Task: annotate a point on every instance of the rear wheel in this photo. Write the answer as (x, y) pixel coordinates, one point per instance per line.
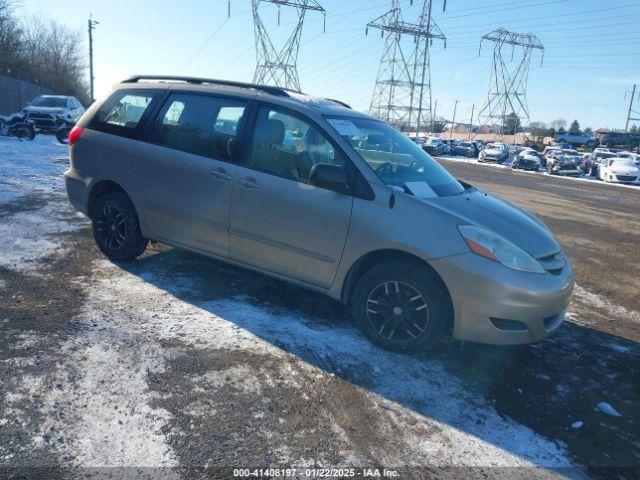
(26, 132)
(401, 307)
(116, 228)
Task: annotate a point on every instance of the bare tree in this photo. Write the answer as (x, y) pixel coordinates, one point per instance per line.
(52, 56)
(41, 51)
(10, 38)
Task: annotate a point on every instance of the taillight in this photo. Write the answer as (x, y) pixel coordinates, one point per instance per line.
(75, 134)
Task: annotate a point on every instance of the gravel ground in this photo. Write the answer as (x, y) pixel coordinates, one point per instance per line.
(176, 366)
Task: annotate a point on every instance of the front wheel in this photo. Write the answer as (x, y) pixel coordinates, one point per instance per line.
(115, 227)
(401, 307)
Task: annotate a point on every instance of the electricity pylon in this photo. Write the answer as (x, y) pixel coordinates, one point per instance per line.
(507, 97)
(402, 95)
(632, 113)
(279, 66)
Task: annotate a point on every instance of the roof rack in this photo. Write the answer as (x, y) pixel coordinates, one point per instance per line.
(340, 103)
(281, 92)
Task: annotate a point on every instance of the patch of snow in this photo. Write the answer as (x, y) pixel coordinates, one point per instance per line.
(604, 407)
(467, 430)
(577, 424)
(31, 167)
(28, 237)
(602, 303)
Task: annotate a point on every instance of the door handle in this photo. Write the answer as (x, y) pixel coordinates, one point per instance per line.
(220, 174)
(249, 182)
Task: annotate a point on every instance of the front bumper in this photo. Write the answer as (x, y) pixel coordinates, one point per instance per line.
(485, 293)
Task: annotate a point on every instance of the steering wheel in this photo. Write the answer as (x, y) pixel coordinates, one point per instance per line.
(386, 167)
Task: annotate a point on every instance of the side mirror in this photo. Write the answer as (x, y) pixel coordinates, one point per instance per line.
(331, 177)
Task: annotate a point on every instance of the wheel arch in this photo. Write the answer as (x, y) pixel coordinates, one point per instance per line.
(104, 187)
(376, 257)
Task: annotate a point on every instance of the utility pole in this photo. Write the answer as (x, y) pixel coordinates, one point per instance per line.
(453, 123)
(473, 107)
(92, 25)
(433, 117)
(631, 111)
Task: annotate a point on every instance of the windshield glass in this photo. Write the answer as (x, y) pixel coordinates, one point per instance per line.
(50, 102)
(397, 161)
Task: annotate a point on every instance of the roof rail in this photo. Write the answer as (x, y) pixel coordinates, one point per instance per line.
(281, 92)
(340, 103)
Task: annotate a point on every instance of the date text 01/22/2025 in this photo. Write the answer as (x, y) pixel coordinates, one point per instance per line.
(314, 473)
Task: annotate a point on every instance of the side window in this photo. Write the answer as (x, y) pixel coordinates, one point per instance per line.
(199, 124)
(288, 146)
(124, 110)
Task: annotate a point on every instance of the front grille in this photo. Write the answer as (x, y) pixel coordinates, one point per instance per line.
(553, 263)
(626, 178)
(39, 115)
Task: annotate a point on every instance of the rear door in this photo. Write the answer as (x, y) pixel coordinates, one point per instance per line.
(279, 222)
(183, 172)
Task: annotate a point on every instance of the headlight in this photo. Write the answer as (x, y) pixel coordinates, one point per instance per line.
(489, 245)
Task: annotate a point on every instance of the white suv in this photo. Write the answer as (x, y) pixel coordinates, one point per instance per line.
(45, 109)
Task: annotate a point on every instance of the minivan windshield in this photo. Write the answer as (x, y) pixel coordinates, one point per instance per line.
(398, 162)
(59, 102)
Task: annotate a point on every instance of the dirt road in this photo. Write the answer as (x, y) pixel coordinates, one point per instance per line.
(176, 361)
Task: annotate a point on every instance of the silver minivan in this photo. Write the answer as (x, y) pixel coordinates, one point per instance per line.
(307, 190)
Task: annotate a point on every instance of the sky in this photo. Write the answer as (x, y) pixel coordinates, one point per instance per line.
(591, 57)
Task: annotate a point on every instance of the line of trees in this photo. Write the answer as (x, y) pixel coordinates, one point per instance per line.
(541, 129)
(43, 52)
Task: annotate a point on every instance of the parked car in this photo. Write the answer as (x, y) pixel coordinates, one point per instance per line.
(417, 140)
(448, 144)
(560, 154)
(631, 156)
(564, 162)
(46, 109)
(494, 152)
(526, 159)
(576, 139)
(336, 215)
(434, 146)
(619, 170)
(548, 150)
(598, 156)
(586, 163)
(619, 139)
(464, 149)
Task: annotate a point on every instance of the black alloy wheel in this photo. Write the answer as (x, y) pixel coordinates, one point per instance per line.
(397, 311)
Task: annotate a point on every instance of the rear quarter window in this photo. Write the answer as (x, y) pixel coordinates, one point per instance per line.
(124, 112)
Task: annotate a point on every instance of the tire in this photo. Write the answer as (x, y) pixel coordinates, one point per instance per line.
(115, 227)
(404, 281)
(26, 132)
(62, 135)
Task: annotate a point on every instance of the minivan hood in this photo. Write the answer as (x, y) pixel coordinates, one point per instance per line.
(501, 217)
